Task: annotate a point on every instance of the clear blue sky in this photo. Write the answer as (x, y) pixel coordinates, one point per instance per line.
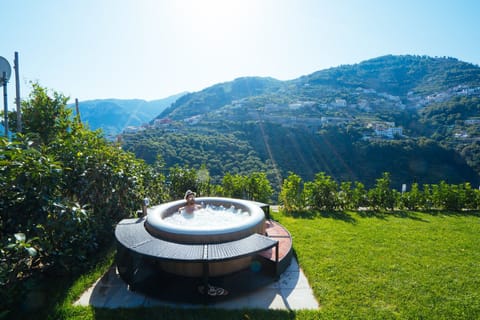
(151, 49)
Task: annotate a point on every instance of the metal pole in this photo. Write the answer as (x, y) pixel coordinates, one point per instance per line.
(5, 106)
(77, 109)
(17, 93)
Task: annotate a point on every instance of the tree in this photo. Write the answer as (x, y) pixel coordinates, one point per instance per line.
(345, 196)
(382, 196)
(63, 187)
(181, 179)
(45, 116)
(321, 193)
(258, 187)
(412, 199)
(204, 181)
(291, 194)
(233, 186)
(471, 198)
(443, 196)
(359, 196)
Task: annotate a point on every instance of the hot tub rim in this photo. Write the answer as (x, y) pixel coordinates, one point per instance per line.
(154, 220)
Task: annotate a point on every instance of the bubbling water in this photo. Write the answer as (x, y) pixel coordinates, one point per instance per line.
(221, 220)
(208, 218)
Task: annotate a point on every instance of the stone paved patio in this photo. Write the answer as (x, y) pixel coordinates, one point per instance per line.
(291, 292)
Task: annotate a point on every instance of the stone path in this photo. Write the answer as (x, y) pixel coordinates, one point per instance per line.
(291, 292)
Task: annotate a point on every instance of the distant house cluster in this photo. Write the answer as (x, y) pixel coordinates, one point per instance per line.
(385, 130)
(389, 133)
(461, 90)
(313, 115)
(472, 121)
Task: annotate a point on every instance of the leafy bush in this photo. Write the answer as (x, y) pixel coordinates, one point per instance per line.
(64, 187)
(255, 186)
(382, 196)
(322, 193)
(413, 199)
(18, 258)
(291, 195)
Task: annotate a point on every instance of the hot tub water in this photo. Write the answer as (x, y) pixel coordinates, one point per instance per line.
(208, 218)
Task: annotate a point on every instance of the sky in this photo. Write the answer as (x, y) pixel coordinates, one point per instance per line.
(152, 49)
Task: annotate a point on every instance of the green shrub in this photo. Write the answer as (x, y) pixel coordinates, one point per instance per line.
(64, 187)
(382, 197)
(291, 195)
(322, 193)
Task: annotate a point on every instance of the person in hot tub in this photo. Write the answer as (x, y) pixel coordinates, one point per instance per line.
(191, 206)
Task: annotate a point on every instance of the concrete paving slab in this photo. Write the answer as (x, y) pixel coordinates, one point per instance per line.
(290, 292)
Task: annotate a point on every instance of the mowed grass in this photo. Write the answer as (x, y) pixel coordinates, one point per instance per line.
(407, 266)
(403, 266)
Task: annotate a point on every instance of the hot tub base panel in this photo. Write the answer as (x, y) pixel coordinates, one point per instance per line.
(143, 275)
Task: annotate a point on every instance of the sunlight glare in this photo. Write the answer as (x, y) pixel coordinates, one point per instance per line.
(214, 19)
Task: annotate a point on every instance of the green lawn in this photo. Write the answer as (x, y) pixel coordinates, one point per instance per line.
(407, 266)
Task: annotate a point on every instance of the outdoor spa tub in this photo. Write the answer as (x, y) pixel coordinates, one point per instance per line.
(221, 220)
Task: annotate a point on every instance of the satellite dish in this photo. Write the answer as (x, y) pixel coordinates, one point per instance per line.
(4, 67)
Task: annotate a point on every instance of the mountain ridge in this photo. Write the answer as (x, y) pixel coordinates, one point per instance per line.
(391, 113)
(115, 115)
(393, 75)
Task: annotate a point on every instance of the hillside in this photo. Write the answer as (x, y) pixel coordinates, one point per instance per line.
(414, 116)
(389, 81)
(115, 115)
